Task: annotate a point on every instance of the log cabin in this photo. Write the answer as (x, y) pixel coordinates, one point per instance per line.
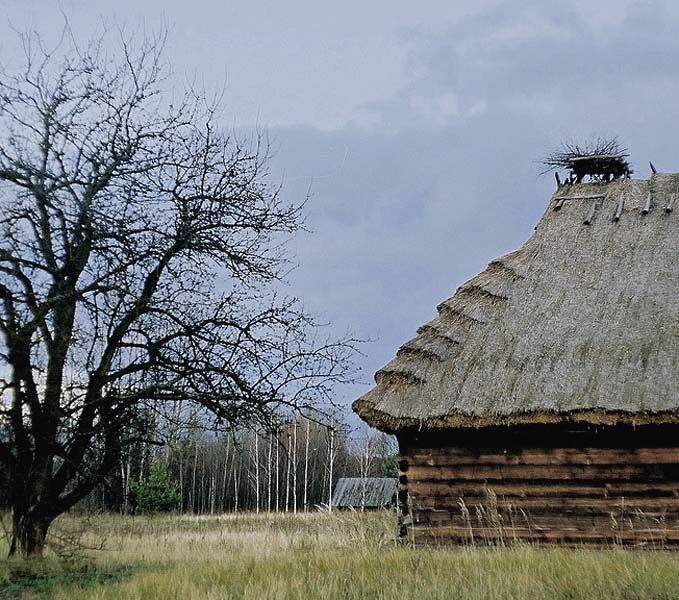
(542, 403)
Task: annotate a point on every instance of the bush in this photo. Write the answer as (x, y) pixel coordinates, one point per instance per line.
(390, 466)
(157, 493)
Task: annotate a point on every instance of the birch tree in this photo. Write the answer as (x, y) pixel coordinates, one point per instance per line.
(306, 466)
(331, 463)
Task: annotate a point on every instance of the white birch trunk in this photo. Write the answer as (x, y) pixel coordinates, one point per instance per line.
(193, 481)
(294, 469)
(203, 495)
(181, 482)
(306, 467)
(256, 472)
(278, 470)
(287, 476)
(224, 475)
(268, 475)
(235, 487)
(331, 460)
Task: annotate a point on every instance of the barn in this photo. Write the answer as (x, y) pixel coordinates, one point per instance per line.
(364, 493)
(542, 403)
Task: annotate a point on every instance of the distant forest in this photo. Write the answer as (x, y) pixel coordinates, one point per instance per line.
(292, 468)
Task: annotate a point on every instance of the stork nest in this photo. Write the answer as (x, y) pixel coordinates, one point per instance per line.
(602, 160)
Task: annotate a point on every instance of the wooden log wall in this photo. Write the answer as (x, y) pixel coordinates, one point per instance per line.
(546, 485)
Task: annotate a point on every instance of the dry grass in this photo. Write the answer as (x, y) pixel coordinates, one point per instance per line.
(334, 556)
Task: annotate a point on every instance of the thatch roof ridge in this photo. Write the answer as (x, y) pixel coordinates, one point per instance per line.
(580, 323)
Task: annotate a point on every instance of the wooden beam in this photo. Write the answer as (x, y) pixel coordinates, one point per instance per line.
(544, 472)
(590, 214)
(541, 456)
(619, 208)
(564, 489)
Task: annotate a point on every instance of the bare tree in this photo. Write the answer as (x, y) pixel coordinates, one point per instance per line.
(138, 248)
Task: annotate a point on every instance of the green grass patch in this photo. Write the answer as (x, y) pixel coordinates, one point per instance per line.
(45, 577)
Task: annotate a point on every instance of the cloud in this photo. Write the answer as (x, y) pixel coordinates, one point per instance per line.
(416, 190)
(445, 178)
(399, 221)
(548, 60)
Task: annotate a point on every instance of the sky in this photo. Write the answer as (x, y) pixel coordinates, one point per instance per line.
(416, 128)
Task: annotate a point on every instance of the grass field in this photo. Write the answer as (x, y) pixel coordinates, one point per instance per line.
(319, 556)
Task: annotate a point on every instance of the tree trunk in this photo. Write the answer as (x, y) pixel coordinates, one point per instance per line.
(235, 488)
(29, 530)
(256, 458)
(224, 475)
(287, 475)
(194, 505)
(125, 469)
(306, 468)
(181, 482)
(268, 475)
(278, 489)
(331, 461)
(213, 488)
(294, 469)
(204, 491)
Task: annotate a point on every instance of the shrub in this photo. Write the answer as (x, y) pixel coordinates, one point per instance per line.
(157, 493)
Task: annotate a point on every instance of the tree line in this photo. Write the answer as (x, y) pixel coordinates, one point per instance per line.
(290, 468)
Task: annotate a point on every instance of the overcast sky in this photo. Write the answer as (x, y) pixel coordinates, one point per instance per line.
(416, 126)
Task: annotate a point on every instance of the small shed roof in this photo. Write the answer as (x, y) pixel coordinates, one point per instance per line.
(581, 324)
(364, 492)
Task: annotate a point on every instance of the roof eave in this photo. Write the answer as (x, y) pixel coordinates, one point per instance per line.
(597, 416)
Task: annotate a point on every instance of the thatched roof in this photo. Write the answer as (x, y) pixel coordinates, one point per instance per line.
(581, 323)
(364, 492)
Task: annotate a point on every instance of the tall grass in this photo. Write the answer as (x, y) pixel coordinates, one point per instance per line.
(348, 555)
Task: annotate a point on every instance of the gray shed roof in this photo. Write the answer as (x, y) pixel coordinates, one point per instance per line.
(581, 323)
(364, 492)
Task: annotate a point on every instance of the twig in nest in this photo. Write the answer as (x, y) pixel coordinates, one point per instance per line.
(601, 160)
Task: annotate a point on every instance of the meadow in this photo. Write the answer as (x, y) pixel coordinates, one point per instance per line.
(316, 555)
